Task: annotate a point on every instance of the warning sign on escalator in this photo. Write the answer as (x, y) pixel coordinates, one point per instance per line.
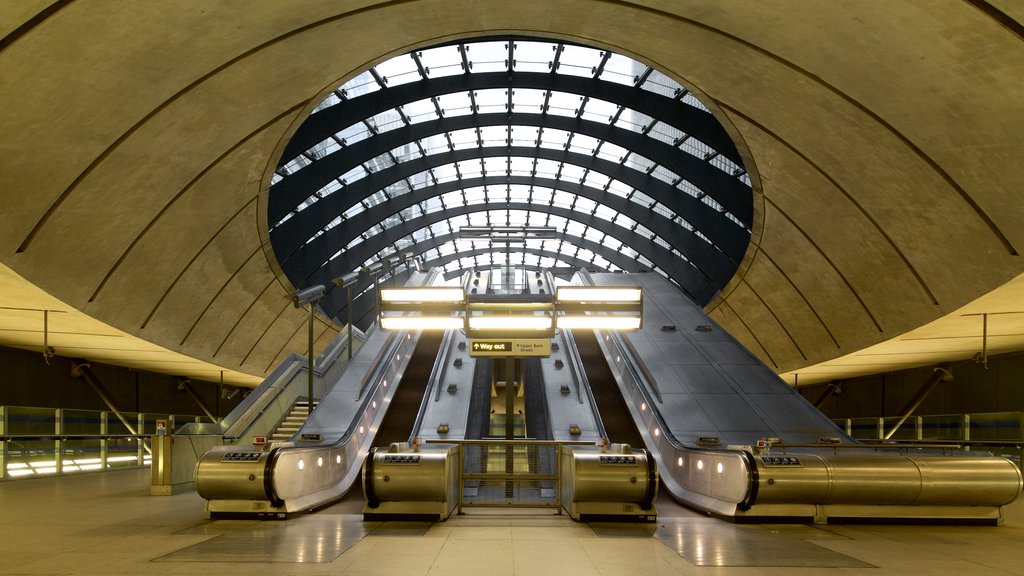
(513, 348)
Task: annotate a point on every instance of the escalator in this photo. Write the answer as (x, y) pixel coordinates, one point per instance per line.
(397, 425)
(618, 422)
(731, 438)
(321, 462)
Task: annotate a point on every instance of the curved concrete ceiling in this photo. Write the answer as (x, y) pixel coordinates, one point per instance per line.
(884, 145)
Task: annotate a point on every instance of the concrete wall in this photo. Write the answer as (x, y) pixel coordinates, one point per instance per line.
(973, 389)
(27, 380)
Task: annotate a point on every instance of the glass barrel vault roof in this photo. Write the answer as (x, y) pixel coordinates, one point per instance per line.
(630, 167)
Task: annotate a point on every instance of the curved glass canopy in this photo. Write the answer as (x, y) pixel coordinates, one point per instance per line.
(633, 172)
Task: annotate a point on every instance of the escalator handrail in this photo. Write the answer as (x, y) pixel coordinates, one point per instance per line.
(433, 381)
(572, 352)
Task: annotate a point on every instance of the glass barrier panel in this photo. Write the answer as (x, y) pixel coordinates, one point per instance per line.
(81, 455)
(864, 428)
(82, 422)
(942, 427)
(31, 458)
(24, 420)
(906, 430)
(116, 426)
(996, 426)
(123, 453)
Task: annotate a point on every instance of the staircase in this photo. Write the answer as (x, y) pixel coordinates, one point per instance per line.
(292, 422)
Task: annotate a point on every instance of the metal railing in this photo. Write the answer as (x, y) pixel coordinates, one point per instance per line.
(36, 442)
(997, 432)
(499, 473)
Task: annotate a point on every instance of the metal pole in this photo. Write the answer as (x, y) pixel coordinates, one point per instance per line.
(309, 362)
(348, 294)
(376, 302)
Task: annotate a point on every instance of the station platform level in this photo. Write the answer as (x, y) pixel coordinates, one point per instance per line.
(109, 524)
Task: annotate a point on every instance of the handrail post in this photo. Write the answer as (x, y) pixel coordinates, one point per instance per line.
(558, 479)
(3, 445)
(462, 466)
(58, 452)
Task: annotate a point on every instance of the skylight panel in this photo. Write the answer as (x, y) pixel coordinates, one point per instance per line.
(583, 144)
(397, 71)
(533, 56)
(442, 61)
(611, 152)
(487, 56)
(420, 111)
(528, 100)
(360, 85)
(455, 104)
(579, 61)
(621, 69)
(519, 193)
(554, 138)
(597, 110)
(524, 135)
(564, 104)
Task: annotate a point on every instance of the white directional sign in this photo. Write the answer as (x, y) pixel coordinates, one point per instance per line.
(511, 347)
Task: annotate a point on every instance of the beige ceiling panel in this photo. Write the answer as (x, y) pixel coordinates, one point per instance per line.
(828, 292)
(837, 228)
(219, 317)
(288, 329)
(726, 317)
(260, 318)
(205, 277)
(323, 335)
(15, 14)
(807, 332)
(195, 221)
(765, 326)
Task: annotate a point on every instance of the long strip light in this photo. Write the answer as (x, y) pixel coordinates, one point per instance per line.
(438, 294)
(504, 322)
(599, 322)
(421, 323)
(597, 294)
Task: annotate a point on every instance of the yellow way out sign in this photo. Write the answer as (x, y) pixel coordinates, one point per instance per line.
(510, 347)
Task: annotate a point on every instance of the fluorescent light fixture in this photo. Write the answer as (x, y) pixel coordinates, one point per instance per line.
(17, 465)
(520, 322)
(599, 322)
(44, 464)
(421, 323)
(52, 470)
(90, 466)
(422, 295)
(20, 472)
(597, 294)
(81, 461)
(123, 459)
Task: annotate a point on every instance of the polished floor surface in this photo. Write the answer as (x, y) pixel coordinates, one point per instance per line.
(108, 524)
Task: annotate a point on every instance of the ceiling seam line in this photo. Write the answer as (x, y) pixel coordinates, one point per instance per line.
(846, 194)
(195, 257)
(802, 297)
(846, 281)
(181, 193)
(853, 102)
(752, 334)
(243, 315)
(30, 24)
(267, 329)
(234, 274)
(166, 103)
(777, 320)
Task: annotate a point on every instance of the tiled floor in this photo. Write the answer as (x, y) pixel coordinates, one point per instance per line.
(108, 524)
